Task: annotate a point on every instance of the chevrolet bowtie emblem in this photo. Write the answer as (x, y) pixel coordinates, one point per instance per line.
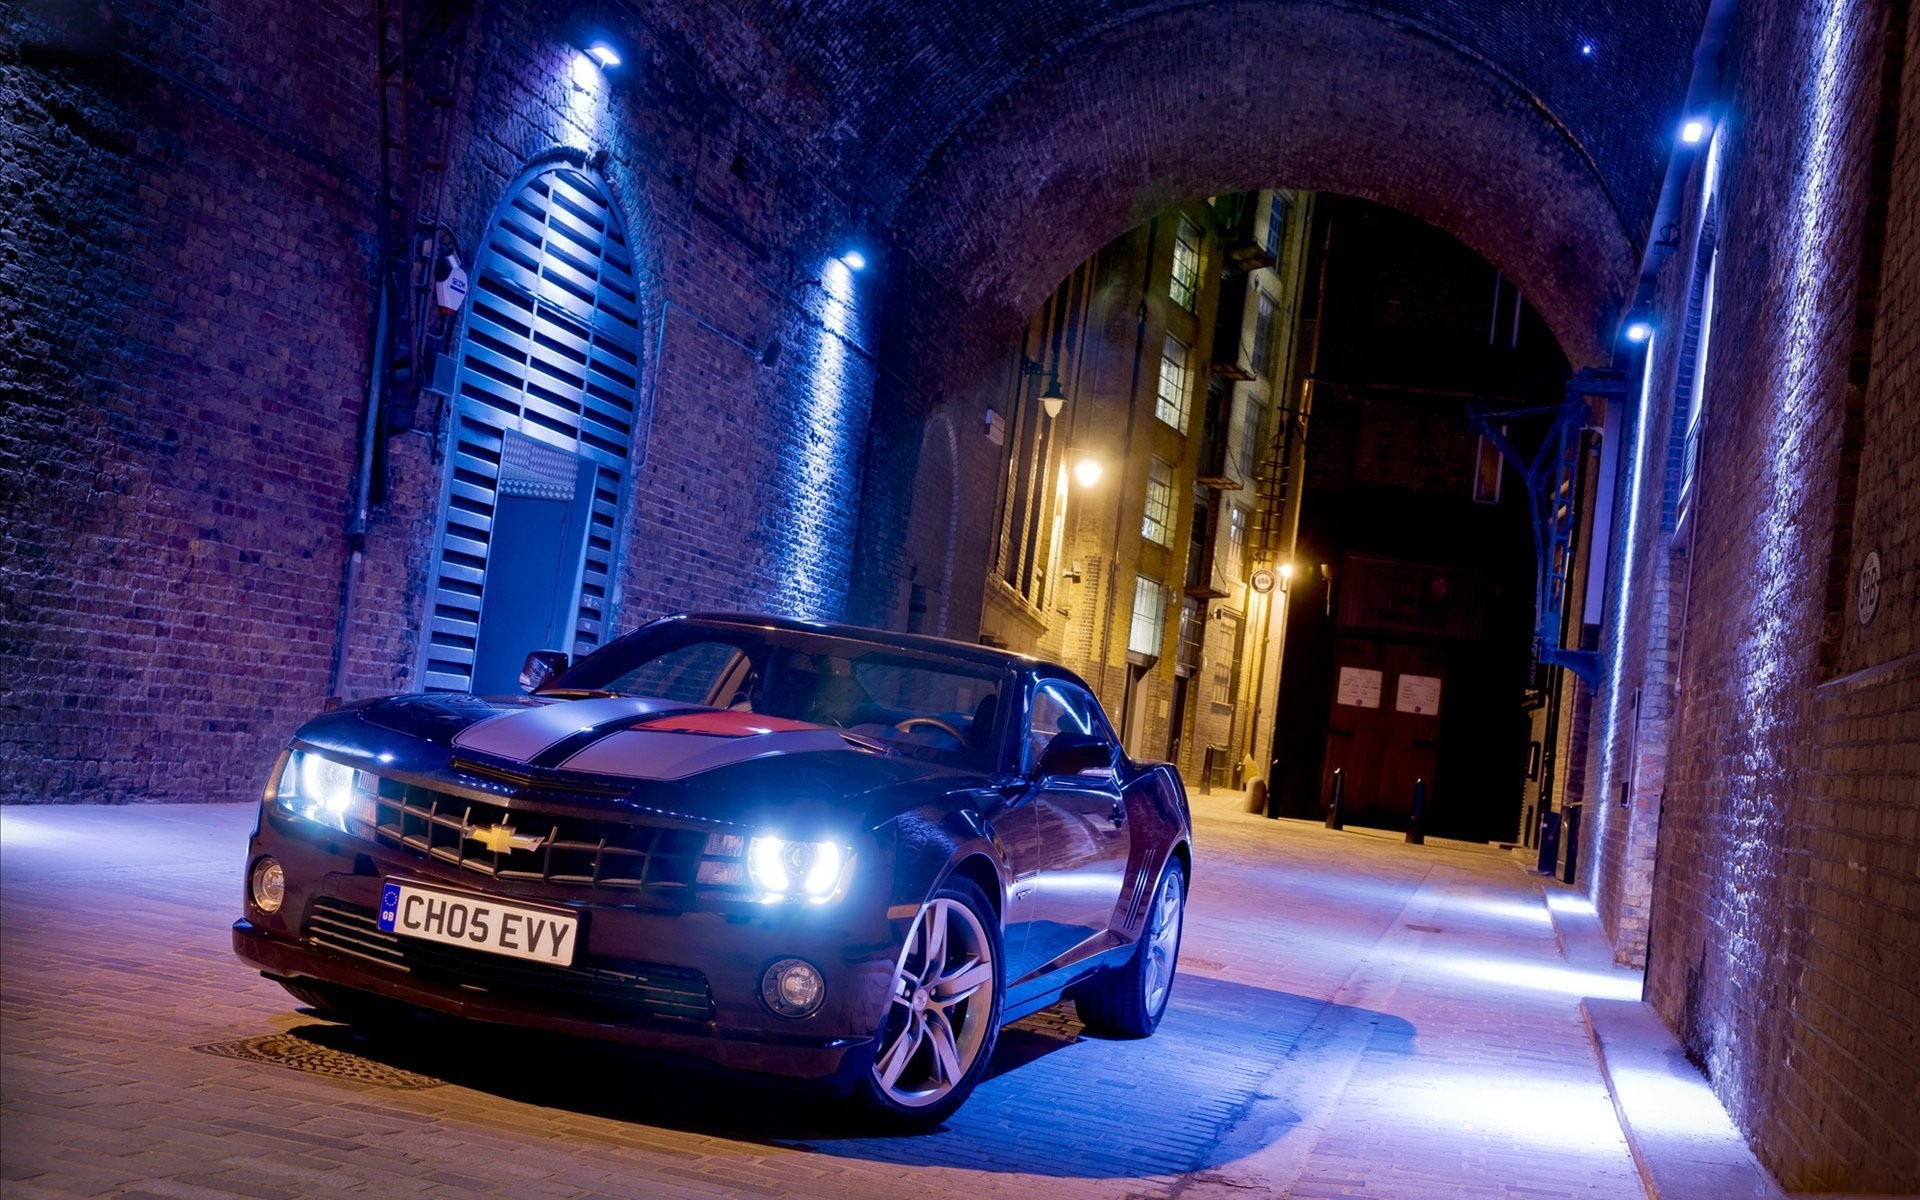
(502, 838)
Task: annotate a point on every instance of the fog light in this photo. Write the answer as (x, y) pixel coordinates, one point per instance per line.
(793, 988)
(269, 885)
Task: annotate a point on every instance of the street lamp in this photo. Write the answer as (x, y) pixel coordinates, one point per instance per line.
(1052, 400)
(1087, 472)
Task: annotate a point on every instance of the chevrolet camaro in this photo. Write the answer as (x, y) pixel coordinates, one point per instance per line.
(836, 854)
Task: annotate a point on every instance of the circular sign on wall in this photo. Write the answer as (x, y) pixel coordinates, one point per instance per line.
(1262, 580)
(1867, 600)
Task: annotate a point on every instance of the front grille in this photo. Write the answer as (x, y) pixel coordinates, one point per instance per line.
(594, 986)
(569, 849)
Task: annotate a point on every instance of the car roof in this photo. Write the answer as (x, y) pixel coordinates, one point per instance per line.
(968, 652)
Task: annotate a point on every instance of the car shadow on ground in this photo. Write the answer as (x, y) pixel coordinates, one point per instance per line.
(1057, 1100)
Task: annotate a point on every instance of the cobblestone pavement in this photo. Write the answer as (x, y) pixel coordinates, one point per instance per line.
(1354, 1017)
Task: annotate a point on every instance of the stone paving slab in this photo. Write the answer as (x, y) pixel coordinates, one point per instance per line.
(1356, 1017)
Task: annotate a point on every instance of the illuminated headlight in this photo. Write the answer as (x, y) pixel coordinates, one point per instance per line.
(331, 793)
(785, 870)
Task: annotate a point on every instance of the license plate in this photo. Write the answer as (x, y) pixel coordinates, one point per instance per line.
(478, 923)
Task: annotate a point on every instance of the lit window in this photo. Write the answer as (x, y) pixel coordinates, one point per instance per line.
(1185, 284)
(1157, 525)
(1263, 336)
(1276, 224)
(1171, 406)
(1149, 616)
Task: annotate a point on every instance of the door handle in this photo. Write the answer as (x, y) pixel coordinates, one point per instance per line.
(1118, 813)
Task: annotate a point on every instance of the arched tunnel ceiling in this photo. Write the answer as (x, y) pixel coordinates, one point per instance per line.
(960, 126)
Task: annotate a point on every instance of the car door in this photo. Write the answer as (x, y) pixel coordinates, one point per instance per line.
(1080, 835)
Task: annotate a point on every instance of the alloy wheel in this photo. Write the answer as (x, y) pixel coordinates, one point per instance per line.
(941, 1006)
(1163, 942)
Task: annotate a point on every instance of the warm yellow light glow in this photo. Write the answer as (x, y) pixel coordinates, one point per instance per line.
(1087, 472)
(1286, 570)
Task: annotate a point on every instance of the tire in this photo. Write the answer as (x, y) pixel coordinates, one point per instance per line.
(943, 1014)
(1129, 1001)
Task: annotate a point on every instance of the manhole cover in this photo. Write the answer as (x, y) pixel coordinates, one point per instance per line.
(302, 1053)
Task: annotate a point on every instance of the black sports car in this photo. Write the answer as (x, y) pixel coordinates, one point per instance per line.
(823, 852)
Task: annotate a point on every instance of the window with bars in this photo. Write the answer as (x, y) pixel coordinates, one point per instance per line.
(1276, 223)
(1156, 525)
(1173, 401)
(1233, 559)
(1149, 616)
(1263, 335)
(1247, 452)
(1224, 660)
(1184, 285)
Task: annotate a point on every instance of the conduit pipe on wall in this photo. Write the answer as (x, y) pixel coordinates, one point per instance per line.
(370, 419)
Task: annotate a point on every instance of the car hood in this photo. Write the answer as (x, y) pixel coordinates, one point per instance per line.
(633, 752)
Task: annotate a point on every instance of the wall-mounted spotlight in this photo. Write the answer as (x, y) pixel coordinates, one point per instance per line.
(1087, 472)
(1693, 129)
(1639, 330)
(855, 260)
(601, 51)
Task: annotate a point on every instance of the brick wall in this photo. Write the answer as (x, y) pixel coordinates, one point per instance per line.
(1786, 897)
(185, 272)
(191, 308)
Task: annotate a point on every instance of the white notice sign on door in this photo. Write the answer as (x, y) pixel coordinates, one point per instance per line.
(1359, 687)
(1418, 694)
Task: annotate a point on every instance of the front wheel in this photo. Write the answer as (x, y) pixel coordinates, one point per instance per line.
(943, 1014)
(1129, 1001)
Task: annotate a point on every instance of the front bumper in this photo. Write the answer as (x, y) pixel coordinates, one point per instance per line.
(707, 962)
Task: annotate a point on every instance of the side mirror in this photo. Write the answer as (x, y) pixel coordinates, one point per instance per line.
(541, 668)
(1075, 754)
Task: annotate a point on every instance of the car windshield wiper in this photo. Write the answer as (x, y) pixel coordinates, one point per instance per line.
(579, 693)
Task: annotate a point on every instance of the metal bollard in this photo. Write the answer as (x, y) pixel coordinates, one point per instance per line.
(1414, 836)
(1339, 790)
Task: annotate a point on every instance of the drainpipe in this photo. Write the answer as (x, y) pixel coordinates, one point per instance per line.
(363, 486)
(1119, 485)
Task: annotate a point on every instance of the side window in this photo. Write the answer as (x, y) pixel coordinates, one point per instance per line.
(1061, 708)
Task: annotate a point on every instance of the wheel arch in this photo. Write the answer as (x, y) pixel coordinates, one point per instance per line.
(979, 869)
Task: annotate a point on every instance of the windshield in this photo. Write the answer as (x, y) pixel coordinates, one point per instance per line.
(914, 703)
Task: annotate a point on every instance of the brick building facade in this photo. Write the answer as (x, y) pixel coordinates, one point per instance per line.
(1758, 809)
(1130, 524)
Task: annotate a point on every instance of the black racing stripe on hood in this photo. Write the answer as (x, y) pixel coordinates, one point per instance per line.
(574, 743)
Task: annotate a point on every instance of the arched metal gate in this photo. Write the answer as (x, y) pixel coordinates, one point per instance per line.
(544, 416)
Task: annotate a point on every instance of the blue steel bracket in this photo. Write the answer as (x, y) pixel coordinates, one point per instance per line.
(1584, 663)
(1542, 472)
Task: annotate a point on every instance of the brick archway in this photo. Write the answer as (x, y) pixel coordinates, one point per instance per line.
(1187, 102)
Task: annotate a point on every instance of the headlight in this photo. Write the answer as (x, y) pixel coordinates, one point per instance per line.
(787, 870)
(328, 792)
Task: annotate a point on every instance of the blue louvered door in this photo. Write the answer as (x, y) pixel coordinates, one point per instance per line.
(543, 422)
